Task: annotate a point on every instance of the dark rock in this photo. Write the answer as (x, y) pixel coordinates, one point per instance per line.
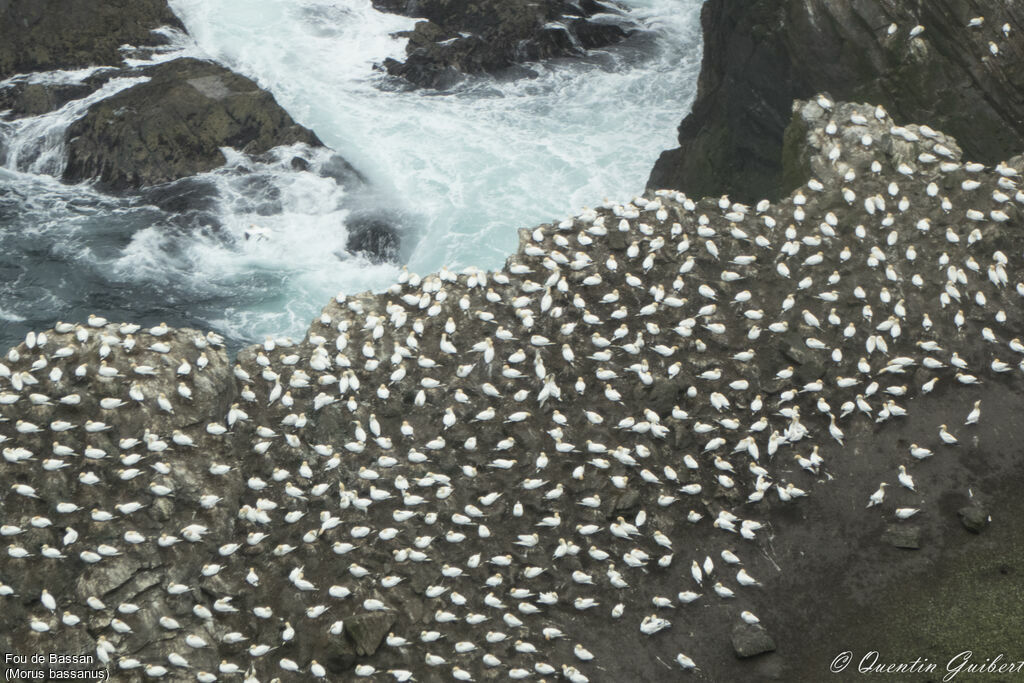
(624, 502)
(616, 240)
(761, 55)
(39, 35)
(340, 170)
(372, 237)
(493, 35)
(117, 574)
(367, 630)
(902, 536)
(791, 350)
(187, 194)
(974, 517)
(750, 640)
(174, 126)
(660, 397)
(594, 34)
(32, 99)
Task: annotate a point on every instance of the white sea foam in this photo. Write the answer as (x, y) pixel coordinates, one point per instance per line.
(462, 169)
(36, 144)
(472, 165)
(297, 257)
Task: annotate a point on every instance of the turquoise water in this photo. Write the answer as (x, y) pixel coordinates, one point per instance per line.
(461, 169)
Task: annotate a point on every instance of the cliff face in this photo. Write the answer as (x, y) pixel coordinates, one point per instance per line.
(762, 54)
(659, 423)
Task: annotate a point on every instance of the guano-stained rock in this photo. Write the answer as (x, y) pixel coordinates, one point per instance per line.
(761, 55)
(466, 457)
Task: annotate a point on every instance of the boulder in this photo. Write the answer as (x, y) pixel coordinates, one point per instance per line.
(759, 56)
(174, 126)
(367, 630)
(373, 237)
(974, 517)
(490, 36)
(806, 146)
(40, 35)
(750, 640)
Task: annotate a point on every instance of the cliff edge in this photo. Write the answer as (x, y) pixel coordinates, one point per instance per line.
(954, 64)
(667, 438)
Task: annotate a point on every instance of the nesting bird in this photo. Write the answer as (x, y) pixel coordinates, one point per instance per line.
(476, 432)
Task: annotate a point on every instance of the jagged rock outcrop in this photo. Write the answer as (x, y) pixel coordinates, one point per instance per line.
(41, 35)
(489, 36)
(759, 56)
(175, 124)
(168, 128)
(32, 99)
(659, 422)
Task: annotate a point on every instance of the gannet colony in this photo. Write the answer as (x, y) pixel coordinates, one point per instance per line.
(476, 476)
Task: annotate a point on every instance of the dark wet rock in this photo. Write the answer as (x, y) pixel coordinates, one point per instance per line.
(168, 128)
(373, 237)
(174, 126)
(32, 99)
(341, 171)
(490, 36)
(750, 640)
(974, 517)
(902, 536)
(761, 55)
(41, 35)
(185, 195)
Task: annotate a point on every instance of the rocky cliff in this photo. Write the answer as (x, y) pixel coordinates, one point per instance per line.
(954, 64)
(669, 438)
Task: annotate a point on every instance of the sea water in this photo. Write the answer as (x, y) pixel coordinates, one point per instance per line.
(457, 171)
